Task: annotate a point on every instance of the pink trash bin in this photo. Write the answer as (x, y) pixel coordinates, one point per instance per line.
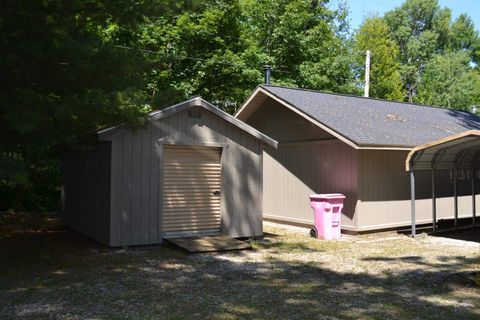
(327, 214)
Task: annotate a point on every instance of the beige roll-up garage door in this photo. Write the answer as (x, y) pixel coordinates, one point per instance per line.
(191, 190)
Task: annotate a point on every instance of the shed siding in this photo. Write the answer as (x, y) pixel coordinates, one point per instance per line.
(135, 196)
(86, 182)
(308, 160)
(384, 192)
(136, 176)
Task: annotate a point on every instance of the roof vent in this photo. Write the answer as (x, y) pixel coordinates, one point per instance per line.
(267, 69)
(194, 114)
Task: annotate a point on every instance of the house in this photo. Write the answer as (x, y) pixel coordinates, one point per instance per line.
(192, 170)
(356, 146)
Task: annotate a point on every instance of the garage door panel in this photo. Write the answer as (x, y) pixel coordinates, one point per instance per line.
(201, 185)
(191, 180)
(212, 178)
(176, 194)
(206, 192)
(178, 199)
(188, 203)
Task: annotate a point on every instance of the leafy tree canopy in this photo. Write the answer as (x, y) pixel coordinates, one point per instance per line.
(62, 78)
(385, 78)
(422, 29)
(450, 81)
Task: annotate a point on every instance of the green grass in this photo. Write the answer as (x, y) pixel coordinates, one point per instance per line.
(48, 272)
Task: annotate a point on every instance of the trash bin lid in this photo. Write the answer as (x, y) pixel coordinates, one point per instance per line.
(326, 196)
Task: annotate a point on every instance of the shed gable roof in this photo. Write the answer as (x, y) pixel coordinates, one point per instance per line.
(198, 102)
(370, 123)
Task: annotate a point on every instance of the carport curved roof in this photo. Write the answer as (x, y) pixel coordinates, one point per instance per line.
(459, 151)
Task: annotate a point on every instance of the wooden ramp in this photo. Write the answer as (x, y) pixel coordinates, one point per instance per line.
(209, 243)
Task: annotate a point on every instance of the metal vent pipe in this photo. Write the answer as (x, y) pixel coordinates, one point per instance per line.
(267, 69)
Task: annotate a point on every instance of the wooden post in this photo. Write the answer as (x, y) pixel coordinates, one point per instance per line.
(367, 75)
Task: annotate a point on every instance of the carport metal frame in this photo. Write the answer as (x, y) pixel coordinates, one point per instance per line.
(464, 152)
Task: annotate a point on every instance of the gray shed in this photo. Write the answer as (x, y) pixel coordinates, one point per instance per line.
(193, 170)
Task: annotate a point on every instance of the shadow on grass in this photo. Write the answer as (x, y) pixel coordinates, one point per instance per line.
(270, 235)
(277, 246)
(443, 263)
(472, 235)
(62, 274)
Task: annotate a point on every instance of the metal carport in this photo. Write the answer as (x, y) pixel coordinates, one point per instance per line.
(457, 152)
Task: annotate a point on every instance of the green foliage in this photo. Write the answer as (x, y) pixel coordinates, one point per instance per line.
(218, 50)
(62, 78)
(421, 30)
(304, 41)
(385, 78)
(416, 27)
(463, 35)
(199, 53)
(449, 81)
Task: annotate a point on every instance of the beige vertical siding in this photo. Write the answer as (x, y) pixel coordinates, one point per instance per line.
(384, 192)
(136, 197)
(309, 160)
(292, 173)
(284, 125)
(134, 213)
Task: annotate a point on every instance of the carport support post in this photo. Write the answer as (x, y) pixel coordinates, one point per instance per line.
(474, 205)
(412, 199)
(455, 199)
(434, 203)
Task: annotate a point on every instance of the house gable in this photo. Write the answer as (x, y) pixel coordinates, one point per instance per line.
(285, 125)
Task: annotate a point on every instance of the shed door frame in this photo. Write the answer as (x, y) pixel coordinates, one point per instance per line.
(192, 143)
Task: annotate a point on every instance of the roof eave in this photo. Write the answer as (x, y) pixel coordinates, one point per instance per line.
(249, 99)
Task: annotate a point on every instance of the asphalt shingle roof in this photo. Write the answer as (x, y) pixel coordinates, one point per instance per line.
(375, 122)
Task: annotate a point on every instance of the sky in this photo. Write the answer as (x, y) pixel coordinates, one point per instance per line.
(361, 8)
